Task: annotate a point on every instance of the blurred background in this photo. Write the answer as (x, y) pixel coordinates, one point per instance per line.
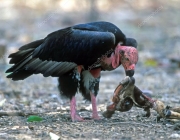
(154, 24)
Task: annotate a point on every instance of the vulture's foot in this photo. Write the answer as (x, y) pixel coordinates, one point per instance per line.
(96, 117)
(77, 118)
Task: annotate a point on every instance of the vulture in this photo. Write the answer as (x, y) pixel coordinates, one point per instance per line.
(76, 55)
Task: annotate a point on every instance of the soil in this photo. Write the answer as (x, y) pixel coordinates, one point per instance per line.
(39, 95)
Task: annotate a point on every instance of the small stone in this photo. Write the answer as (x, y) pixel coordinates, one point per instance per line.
(169, 125)
(31, 127)
(175, 135)
(15, 127)
(176, 126)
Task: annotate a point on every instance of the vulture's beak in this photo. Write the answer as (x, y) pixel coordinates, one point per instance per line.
(129, 73)
(130, 70)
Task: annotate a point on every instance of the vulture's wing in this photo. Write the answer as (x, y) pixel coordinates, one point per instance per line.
(63, 50)
(78, 45)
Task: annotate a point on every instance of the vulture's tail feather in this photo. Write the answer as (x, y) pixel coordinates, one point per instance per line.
(25, 64)
(20, 59)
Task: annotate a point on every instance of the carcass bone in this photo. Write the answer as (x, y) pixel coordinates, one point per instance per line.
(166, 112)
(127, 94)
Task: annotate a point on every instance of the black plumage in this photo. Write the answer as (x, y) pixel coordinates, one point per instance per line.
(78, 43)
(68, 86)
(81, 44)
(85, 93)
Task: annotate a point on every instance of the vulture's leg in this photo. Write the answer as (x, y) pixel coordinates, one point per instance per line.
(95, 115)
(94, 89)
(68, 85)
(89, 88)
(74, 115)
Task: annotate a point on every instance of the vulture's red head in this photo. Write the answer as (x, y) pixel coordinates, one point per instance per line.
(129, 56)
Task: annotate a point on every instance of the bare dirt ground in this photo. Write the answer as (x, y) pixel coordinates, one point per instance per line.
(42, 98)
(154, 24)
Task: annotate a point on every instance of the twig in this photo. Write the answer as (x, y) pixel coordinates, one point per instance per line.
(20, 113)
(16, 113)
(129, 123)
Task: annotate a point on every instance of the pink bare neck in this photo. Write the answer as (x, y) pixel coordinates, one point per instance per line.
(116, 57)
(115, 60)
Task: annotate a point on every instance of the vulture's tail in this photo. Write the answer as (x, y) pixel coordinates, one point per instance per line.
(25, 64)
(20, 59)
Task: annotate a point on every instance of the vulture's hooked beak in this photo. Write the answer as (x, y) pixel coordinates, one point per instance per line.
(130, 70)
(129, 73)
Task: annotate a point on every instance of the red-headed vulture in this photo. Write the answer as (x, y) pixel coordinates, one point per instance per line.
(76, 55)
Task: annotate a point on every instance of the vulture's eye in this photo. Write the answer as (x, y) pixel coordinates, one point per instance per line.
(127, 59)
(121, 52)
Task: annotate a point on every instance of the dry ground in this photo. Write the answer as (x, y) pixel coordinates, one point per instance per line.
(40, 95)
